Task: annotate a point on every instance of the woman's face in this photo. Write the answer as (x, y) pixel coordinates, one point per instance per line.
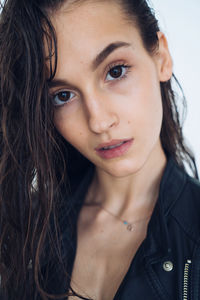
(107, 87)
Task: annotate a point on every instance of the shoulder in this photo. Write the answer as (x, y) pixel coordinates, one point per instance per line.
(185, 206)
(192, 189)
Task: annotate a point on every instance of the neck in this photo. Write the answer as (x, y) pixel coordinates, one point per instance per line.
(135, 193)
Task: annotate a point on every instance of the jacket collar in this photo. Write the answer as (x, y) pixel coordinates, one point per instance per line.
(157, 243)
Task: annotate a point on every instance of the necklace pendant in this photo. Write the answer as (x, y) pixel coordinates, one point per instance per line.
(130, 227)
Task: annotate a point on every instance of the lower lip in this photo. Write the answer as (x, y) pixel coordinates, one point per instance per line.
(115, 152)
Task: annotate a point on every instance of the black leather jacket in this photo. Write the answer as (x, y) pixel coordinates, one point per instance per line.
(167, 264)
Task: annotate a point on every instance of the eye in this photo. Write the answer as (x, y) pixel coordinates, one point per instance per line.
(117, 72)
(62, 97)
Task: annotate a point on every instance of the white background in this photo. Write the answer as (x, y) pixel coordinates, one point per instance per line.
(180, 21)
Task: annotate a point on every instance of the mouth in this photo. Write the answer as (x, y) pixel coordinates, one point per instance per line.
(114, 148)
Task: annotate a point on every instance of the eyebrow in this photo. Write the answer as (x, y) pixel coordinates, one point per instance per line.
(96, 62)
(106, 52)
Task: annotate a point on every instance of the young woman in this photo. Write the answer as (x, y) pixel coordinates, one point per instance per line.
(95, 201)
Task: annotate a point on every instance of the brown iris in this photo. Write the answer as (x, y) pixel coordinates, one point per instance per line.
(116, 72)
(63, 96)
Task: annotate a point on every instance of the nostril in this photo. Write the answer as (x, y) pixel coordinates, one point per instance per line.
(102, 123)
(101, 120)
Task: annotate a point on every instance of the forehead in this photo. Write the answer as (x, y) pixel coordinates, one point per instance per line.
(94, 20)
(70, 5)
(80, 6)
(86, 27)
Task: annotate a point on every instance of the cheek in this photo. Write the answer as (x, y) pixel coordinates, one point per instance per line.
(62, 122)
(145, 108)
(151, 124)
(70, 127)
(152, 117)
(151, 99)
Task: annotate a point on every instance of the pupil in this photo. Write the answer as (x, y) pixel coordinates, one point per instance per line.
(116, 72)
(63, 96)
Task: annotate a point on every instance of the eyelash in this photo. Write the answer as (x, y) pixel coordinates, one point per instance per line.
(118, 64)
(109, 68)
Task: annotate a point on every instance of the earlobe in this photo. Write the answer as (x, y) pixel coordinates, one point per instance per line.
(164, 60)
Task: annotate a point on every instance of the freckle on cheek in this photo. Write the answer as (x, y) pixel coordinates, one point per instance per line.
(80, 133)
(129, 122)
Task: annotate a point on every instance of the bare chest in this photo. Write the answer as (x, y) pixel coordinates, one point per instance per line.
(102, 261)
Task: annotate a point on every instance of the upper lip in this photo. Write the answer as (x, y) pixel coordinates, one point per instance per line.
(111, 143)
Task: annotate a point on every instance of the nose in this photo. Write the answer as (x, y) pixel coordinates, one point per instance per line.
(101, 115)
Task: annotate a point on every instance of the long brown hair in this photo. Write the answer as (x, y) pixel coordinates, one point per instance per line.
(34, 158)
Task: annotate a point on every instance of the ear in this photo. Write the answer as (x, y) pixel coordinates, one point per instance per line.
(163, 59)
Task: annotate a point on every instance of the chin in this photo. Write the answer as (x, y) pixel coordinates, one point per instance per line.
(124, 168)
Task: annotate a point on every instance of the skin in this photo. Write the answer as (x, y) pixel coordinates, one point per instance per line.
(101, 109)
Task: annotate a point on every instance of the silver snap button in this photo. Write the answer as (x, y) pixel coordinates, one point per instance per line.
(168, 266)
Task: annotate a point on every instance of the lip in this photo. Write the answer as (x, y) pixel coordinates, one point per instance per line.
(111, 143)
(114, 152)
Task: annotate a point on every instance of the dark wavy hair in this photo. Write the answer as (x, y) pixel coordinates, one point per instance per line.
(34, 158)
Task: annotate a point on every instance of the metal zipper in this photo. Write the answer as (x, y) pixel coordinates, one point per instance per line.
(186, 280)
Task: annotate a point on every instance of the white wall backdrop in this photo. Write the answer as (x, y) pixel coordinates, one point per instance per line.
(180, 21)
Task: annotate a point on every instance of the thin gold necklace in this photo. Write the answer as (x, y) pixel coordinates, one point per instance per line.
(129, 226)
